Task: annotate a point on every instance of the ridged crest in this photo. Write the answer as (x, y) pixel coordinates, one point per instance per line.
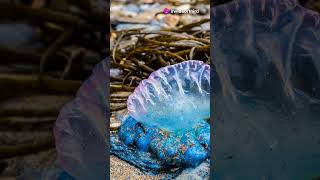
(173, 97)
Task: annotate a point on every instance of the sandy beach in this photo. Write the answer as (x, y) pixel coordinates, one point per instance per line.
(120, 170)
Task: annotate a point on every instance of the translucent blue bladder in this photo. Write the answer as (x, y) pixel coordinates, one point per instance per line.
(174, 98)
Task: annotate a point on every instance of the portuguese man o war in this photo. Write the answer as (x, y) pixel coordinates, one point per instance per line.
(167, 124)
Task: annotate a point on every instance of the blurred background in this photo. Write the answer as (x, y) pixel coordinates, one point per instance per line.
(311, 4)
(47, 48)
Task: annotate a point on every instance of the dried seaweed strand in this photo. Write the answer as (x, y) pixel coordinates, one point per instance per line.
(198, 48)
(195, 24)
(115, 47)
(142, 66)
(117, 108)
(115, 88)
(126, 77)
(167, 44)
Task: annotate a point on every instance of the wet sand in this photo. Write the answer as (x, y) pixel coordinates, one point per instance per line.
(121, 170)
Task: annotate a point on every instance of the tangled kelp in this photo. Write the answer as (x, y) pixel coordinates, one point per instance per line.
(138, 53)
